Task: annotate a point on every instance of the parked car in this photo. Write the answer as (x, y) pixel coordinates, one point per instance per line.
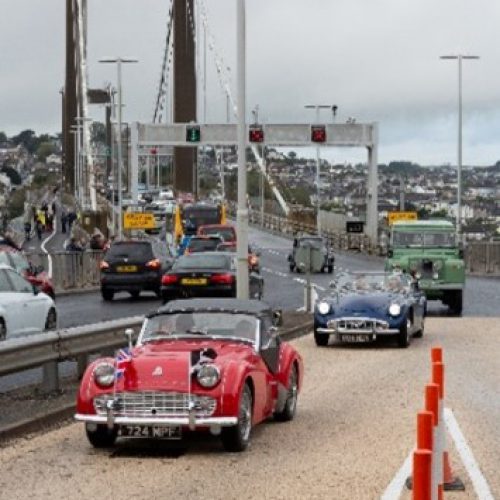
(23, 308)
(36, 275)
(368, 305)
(225, 231)
(430, 250)
(311, 254)
(207, 274)
(214, 365)
(202, 244)
(134, 266)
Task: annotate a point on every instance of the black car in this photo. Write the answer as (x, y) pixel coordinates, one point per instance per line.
(134, 266)
(208, 274)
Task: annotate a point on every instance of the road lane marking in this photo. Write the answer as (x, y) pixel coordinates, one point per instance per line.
(393, 491)
(42, 246)
(478, 480)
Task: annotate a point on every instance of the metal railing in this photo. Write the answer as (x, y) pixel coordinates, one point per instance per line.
(50, 348)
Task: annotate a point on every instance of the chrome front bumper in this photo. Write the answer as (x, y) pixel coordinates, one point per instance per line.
(191, 422)
(357, 326)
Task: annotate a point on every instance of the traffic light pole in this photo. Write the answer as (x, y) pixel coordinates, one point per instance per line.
(242, 212)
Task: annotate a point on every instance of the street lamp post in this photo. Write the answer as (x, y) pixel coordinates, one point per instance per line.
(242, 212)
(459, 58)
(119, 61)
(317, 107)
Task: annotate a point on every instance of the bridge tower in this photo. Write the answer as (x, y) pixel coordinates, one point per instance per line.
(184, 91)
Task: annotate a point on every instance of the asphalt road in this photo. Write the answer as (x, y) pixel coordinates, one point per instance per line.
(354, 428)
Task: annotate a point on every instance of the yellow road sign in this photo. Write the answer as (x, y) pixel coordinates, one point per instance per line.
(138, 220)
(395, 216)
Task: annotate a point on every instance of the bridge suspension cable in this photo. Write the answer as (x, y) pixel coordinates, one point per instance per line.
(165, 69)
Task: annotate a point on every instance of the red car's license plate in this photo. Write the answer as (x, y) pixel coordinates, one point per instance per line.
(150, 431)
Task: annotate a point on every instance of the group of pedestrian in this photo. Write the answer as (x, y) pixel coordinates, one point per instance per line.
(67, 219)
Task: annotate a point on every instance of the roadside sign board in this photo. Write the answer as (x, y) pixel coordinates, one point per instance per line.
(138, 220)
(397, 216)
(354, 226)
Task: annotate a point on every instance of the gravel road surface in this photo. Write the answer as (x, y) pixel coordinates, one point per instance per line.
(354, 428)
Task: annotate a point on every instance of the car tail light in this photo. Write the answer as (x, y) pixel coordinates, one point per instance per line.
(253, 260)
(154, 264)
(187, 251)
(222, 279)
(169, 279)
(103, 265)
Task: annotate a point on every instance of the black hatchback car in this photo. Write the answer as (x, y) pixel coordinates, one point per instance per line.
(134, 266)
(206, 274)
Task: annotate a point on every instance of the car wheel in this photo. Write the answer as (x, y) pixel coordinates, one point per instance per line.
(135, 294)
(102, 436)
(51, 321)
(288, 411)
(321, 339)
(404, 334)
(420, 333)
(330, 269)
(107, 295)
(237, 437)
(3, 330)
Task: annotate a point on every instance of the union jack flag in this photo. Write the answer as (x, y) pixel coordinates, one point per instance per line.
(123, 359)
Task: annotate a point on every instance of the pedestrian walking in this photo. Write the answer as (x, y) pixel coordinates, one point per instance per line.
(54, 207)
(64, 221)
(39, 228)
(27, 230)
(71, 218)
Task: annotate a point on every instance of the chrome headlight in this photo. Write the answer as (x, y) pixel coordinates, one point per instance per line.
(104, 374)
(394, 309)
(208, 375)
(323, 308)
(435, 276)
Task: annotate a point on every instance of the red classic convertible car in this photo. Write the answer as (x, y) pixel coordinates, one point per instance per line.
(213, 365)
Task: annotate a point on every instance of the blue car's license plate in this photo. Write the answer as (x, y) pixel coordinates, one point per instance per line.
(356, 338)
(150, 431)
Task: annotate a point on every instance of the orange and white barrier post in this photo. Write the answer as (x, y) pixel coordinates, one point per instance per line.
(432, 406)
(422, 465)
(446, 480)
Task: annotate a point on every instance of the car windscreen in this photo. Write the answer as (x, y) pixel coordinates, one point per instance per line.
(202, 261)
(201, 216)
(203, 323)
(140, 251)
(427, 239)
(373, 282)
(203, 245)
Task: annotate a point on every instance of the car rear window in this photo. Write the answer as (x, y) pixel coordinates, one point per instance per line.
(202, 245)
(201, 261)
(131, 250)
(226, 233)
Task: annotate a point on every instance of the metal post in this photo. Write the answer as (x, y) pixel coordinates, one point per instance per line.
(158, 180)
(50, 381)
(459, 163)
(134, 161)
(372, 192)
(120, 151)
(242, 212)
(262, 189)
(401, 194)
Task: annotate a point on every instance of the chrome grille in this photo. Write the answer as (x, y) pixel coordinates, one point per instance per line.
(357, 325)
(155, 403)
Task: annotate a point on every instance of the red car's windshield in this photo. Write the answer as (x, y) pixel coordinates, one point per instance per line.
(211, 324)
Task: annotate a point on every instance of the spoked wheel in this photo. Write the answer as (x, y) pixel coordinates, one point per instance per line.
(51, 321)
(288, 411)
(404, 334)
(236, 438)
(101, 436)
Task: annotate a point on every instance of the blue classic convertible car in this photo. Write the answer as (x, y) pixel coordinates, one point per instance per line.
(366, 306)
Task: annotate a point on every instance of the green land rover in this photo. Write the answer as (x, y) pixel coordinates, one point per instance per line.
(429, 249)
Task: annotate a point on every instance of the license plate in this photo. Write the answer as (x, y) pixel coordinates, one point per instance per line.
(126, 269)
(151, 431)
(356, 338)
(194, 281)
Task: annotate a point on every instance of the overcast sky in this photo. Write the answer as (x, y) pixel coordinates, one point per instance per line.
(377, 60)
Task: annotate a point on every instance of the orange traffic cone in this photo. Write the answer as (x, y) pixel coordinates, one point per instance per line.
(451, 482)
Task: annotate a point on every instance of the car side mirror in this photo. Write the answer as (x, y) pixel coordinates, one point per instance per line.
(129, 333)
(277, 318)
